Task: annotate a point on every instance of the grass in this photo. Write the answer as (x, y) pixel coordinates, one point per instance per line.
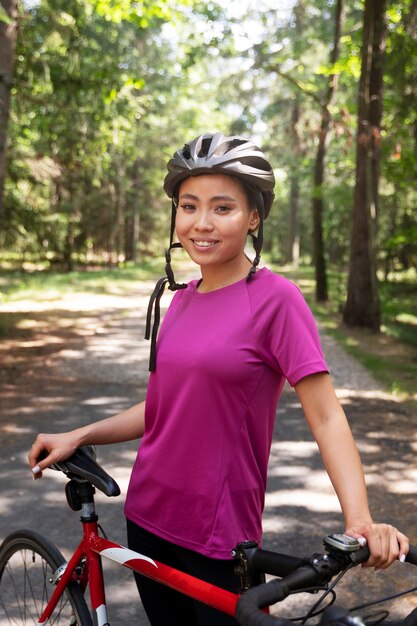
(48, 285)
(391, 356)
(51, 286)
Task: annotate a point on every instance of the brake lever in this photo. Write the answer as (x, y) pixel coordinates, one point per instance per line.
(361, 556)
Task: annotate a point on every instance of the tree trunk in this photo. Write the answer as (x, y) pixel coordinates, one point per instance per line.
(362, 304)
(319, 167)
(119, 202)
(293, 250)
(69, 248)
(133, 218)
(293, 246)
(7, 48)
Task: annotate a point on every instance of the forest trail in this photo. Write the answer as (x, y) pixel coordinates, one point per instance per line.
(84, 358)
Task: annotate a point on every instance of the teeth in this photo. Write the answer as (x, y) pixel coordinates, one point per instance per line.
(204, 244)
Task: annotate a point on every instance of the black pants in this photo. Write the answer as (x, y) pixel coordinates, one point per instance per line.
(164, 606)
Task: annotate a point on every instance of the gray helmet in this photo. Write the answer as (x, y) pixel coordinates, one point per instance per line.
(217, 154)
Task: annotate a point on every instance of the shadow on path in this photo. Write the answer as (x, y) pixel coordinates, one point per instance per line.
(66, 368)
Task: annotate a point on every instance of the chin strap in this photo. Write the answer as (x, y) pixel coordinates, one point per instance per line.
(259, 238)
(154, 308)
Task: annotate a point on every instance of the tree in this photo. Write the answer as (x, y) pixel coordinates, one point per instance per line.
(91, 125)
(8, 28)
(293, 250)
(397, 222)
(319, 164)
(362, 304)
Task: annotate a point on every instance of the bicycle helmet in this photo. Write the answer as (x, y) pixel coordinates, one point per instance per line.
(217, 154)
(212, 154)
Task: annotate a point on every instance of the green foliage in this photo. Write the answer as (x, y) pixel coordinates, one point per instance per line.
(95, 87)
(4, 16)
(399, 194)
(105, 90)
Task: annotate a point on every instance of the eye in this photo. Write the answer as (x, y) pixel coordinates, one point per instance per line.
(188, 208)
(223, 208)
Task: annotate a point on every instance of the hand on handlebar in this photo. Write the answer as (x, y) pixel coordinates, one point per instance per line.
(51, 448)
(317, 571)
(385, 542)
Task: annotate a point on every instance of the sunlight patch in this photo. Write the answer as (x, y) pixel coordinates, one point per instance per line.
(298, 448)
(317, 502)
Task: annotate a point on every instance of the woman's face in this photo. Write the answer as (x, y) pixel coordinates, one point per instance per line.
(213, 219)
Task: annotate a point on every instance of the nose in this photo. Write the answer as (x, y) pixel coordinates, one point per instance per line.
(203, 221)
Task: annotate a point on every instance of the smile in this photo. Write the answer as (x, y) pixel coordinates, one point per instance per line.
(204, 244)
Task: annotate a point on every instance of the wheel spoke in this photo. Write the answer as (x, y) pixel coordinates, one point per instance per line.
(27, 566)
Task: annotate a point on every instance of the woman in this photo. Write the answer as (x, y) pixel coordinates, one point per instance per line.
(227, 344)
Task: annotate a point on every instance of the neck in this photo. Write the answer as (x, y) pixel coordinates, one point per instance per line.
(215, 278)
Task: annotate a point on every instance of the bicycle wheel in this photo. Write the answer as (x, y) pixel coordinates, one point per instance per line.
(27, 563)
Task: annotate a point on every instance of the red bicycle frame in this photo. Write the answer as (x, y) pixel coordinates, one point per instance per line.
(93, 547)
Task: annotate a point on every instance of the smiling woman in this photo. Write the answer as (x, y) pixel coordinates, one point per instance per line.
(228, 343)
(212, 223)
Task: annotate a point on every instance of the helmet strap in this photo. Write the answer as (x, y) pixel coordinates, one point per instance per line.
(154, 309)
(257, 239)
(173, 285)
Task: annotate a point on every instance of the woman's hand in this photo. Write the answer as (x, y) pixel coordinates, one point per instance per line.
(54, 447)
(124, 426)
(385, 542)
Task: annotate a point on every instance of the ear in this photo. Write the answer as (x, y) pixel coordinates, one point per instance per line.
(253, 220)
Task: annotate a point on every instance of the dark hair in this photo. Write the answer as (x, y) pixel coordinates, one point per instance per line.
(250, 192)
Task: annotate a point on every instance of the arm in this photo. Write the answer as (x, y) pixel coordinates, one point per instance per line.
(125, 426)
(338, 450)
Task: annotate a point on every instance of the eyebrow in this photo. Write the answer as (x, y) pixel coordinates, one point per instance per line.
(222, 198)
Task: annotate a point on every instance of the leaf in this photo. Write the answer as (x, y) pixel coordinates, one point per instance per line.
(112, 96)
(4, 17)
(136, 83)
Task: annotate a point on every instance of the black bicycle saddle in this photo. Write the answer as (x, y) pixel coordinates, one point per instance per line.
(82, 464)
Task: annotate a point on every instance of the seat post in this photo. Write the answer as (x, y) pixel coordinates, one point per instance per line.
(80, 497)
(86, 493)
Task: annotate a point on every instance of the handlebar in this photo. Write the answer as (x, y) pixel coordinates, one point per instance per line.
(317, 570)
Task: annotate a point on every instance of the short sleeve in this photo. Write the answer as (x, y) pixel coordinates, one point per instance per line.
(285, 328)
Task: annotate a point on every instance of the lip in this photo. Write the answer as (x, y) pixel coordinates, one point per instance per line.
(204, 244)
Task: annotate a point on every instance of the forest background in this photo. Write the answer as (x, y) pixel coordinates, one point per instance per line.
(95, 95)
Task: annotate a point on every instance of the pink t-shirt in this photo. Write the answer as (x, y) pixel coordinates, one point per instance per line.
(222, 359)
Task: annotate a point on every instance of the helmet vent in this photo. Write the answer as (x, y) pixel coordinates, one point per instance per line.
(205, 146)
(233, 143)
(260, 164)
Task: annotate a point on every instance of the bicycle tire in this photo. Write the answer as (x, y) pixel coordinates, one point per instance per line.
(27, 562)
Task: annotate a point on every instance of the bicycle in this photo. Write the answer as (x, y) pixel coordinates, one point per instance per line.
(37, 584)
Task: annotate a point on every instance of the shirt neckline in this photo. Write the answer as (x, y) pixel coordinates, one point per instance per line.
(222, 290)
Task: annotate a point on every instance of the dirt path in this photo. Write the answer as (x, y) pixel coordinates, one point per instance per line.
(86, 359)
